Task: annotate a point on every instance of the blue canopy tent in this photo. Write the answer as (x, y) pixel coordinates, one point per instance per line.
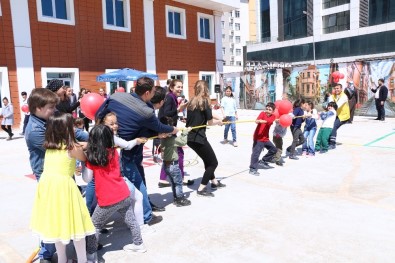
(125, 74)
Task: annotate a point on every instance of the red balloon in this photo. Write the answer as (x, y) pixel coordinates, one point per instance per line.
(341, 75)
(335, 74)
(25, 108)
(285, 120)
(336, 80)
(90, 103)
(277, 103)
(121, 89)
(285, 107)
(276, 113)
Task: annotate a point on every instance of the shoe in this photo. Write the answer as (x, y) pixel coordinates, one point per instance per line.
(264, 165)
(135, 248)
(157, 208)
(45, 261)
(382, 119)
(104, 231)
(271, 161)
(254, 172)
(9, 139)
(21, 133)
(155, 220)
(235, 144)
(293, 157)
(182, 201)
(225, 141)
(11, 135)
(218, 185)
(204, 193)
(310, 155)
(146, 229)
(377, 119)
(189, 182)
(304, 153)
(279, 163)
(91, 257)
(163, 185)
(282, 160)
(332, 147)
(323, 151)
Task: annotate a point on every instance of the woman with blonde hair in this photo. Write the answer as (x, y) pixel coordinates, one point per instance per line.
(199, 113)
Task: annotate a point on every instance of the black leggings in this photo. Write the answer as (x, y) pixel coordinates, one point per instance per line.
(7, 129)
(209, 159)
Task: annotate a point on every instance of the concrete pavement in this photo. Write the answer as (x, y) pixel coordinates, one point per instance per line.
(335, 207)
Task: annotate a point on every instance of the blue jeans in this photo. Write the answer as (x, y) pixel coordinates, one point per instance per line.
(232, 127)
(174, 173)
(46, 251)
(308, 145)
(131, 172)
(90, 196)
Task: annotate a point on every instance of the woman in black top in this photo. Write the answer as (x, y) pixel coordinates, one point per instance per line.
(199, 113)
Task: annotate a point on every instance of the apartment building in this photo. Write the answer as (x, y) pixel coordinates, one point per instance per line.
(75, 41)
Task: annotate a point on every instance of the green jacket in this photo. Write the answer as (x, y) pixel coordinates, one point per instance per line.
(169, 146)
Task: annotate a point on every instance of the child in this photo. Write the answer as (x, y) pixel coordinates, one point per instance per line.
(80, 134)
(297, 133)
(112, 193)
(310, 129)
(261, 140)
(229, 111)
(42, 104)
(170, 162)
(7, 113)
(59, 212)
(325, 131)
(278, 135)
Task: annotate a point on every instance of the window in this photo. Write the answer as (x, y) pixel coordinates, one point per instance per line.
(56, 11)
(336, 22)
(237, 39)
(265, 20)
(238, 63)
(69, 76)
(223, 36)
(222, 24)
(230, 25)
(231, 51)
(381, 11)
(206, 27)
(308, 74)
(209, 77)
(231, 38)
(237, 26)
(116, 15)
(175, 22)
(223, 51)
(294, 20)
(232, 63)
(238, 52)
(332, 3)
(237, 13)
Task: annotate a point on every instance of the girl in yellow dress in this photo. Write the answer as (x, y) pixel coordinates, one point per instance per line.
(59, 211)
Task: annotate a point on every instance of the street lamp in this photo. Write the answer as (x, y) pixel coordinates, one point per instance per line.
(307, 14)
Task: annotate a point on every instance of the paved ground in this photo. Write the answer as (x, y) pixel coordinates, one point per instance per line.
(337, 207)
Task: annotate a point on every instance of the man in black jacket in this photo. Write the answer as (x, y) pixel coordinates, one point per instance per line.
(380, 96)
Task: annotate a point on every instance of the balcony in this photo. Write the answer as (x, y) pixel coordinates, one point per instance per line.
(215, 5)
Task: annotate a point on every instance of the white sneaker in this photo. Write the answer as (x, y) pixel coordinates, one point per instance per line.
(235, 144)
(135, 248)
(146, 229)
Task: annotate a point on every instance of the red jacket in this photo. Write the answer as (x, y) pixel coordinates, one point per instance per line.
(262, 129)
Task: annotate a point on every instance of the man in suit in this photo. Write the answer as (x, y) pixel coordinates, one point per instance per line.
(380, 96)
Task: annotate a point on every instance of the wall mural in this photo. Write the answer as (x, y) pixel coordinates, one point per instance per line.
(254, 89)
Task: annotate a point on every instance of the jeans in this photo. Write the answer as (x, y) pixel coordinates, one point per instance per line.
(257, 148)
(380, 110)
(232, 127)
(298, 139)
(131, 171)
(180, 152)
(174, 173)
(336, 126)
(46, 251)
(90, 196)
(308, 145)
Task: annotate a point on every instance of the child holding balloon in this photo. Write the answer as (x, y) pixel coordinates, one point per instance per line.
(261, 140)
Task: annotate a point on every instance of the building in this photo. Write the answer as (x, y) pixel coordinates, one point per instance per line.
(354, 37)
(78, 40)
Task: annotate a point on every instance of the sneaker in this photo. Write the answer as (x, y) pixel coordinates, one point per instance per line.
(264, 165)
(323, 151)
(235, 144)
(204, 193)
(310, 155)
(155, 220)
(218, 185)
(254, 172)
(332, 147)
(279, 163)
(21, 133)
(225, 141)
(304, 153)
(135, 248)
(147, 229)
(182, 201)
(293, 157)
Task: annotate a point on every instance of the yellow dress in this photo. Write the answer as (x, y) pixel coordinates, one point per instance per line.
(59, 211)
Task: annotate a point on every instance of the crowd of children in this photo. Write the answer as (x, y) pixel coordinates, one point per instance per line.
(58, 144)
